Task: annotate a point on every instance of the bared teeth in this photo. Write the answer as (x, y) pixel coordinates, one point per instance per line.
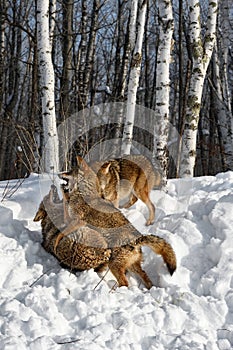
(64, 181)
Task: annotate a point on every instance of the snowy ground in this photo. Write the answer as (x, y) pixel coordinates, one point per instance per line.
(45, 307)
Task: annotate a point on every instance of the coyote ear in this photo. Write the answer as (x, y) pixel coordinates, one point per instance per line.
(39, 215)
(82, 163)
(105, 168)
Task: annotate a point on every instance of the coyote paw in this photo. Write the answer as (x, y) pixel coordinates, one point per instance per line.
(149, 222)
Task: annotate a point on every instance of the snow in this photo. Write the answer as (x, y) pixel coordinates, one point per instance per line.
(43, 306)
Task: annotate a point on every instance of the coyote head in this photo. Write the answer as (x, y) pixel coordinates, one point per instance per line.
(81, 178)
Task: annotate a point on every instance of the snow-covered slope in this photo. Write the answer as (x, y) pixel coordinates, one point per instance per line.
(43, 306)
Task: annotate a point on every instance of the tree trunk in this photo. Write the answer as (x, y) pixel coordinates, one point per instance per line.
(90, 55)
(163, 84)
(50, 151)
(135, 70)
(223, 115)
(82, 58)
(2, 55)
(11, 100)
(122, 52)
(201, 54)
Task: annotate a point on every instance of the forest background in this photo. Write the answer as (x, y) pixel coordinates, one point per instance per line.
(60, 57)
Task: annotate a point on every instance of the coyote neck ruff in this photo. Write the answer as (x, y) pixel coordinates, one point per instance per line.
(85, 182)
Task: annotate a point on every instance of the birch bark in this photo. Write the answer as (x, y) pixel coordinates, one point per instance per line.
(136, 45)
(46, 80)
(163, 83)
(201, 55)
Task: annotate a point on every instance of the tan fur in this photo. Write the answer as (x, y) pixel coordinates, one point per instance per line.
(85, 207)
(85, 248)
(129, 178)
(89, 248)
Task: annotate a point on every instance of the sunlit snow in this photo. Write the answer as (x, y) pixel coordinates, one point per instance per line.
(43, 306)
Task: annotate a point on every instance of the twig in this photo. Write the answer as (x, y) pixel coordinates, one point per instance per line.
(44, 273)
(113, 288)
(9, 193)
(67, 342)
(102, 278)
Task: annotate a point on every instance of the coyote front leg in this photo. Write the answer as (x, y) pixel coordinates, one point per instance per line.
(73, 226)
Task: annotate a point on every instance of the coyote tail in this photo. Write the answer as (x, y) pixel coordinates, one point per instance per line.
(161, 247)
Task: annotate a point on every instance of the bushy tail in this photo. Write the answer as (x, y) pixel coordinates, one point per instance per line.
(161, 247)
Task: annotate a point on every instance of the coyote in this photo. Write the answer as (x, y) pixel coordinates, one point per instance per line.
(86, 206)
(129, 178)
(84, 249)
(87, 248)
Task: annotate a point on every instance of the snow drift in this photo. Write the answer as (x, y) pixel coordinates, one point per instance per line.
(43, 306)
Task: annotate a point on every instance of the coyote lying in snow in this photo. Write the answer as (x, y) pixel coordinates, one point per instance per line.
(127, 179)
(84, 249)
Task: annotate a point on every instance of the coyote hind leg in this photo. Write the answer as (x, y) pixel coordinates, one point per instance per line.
(119, 272)
(137, 269)
(143, 194)
(133, 199)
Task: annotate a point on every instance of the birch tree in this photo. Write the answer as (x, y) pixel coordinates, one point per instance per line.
(201, 49)
(136, 45)
(163, 83)
(46, 72)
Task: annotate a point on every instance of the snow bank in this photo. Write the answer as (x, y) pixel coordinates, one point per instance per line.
(43, 306)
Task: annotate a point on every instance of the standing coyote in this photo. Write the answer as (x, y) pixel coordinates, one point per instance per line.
(87, 247)
(127, 179)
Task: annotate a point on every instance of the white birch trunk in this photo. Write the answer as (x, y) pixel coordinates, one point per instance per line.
(50, 153)
(201, 55)
(163, 83)
(134, 71)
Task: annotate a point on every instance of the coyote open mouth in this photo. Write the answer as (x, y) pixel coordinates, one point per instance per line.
(65, 181)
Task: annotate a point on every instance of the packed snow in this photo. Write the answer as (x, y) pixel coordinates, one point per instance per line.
(43, 306)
